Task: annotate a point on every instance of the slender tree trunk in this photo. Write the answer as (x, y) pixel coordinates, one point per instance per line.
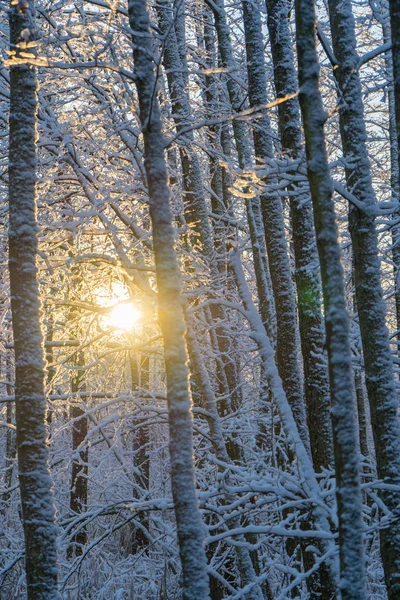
(243, 148)
(51, 372)
(362, 417)
(179, 24)
(34, 478)
(228, 368)
(352, 581)
(139, 367)
(274, 226)
(10, 449)
(370, 304)
(188, 518)
(384, 17)
(79, 476)
(285, 412)
(308, 284)
(195, 203)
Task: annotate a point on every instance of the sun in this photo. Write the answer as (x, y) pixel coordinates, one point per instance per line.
(124, 316)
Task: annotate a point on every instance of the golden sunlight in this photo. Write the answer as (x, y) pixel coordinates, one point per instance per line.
(124, 316)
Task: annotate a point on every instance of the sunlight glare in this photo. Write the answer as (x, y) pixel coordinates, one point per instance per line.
(124, 317)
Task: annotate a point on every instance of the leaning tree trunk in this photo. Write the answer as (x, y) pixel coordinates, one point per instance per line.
(348, 491)
(244, 559)
(308, 284)
(188, 518)
(38, 511)
(370, 304)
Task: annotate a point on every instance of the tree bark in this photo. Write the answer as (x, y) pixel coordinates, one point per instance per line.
(38, 511)
(307, 276)
(196, 212)
(274, 226)
(243, 148)
(348, 493)
(188, 518)
(370, 304)
(79, 475)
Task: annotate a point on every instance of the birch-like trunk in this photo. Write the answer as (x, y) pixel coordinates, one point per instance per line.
(370, 304)
(188, 518)
(307, 276)
(348, 493)
(38, 511)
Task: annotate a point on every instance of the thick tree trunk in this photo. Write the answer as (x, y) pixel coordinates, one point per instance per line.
(308, 284)
(348, 491)
(34, 478)
(370, 304)
(188, 518)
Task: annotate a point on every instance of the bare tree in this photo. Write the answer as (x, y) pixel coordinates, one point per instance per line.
(308, 284)
(38, 511)
(348, 493)
(379, 378)
(189, 523)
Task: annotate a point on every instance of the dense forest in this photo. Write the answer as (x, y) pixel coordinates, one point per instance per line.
(200, 300)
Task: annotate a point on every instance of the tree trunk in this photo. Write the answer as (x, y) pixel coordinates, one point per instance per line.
(34, 478)
(348, 493)
(384, 17)
(274, 226)
(308, 284)
(188, 518)
(370, 304)
(243, 148)
(244, 559)
(139, 367)
(79, 476)
(194, 201)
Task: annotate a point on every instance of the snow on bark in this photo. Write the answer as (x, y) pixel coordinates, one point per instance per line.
(228, 365)
(188, 518)
(370, 304)
(244, 152)
(195, 202)
(348, 493)
(38, 512)
(308, 284)
(274, 226)
(383, 16)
